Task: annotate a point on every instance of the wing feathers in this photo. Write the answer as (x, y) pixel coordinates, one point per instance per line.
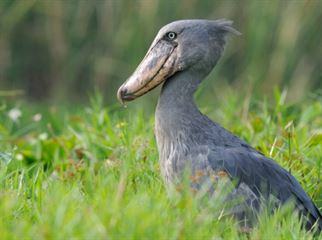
(265, 177)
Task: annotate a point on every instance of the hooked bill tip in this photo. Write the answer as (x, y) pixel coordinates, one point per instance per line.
(120, 94)
(123, 95)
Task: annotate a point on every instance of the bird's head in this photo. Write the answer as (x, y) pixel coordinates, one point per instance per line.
(179, 46)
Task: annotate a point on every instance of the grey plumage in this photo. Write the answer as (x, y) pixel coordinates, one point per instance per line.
(188, 139)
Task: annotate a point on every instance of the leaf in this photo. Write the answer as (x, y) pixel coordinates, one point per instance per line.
(315, 139)
(6, 157)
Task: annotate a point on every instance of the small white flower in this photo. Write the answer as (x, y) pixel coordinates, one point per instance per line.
(37, 117)
(43, 136)
(14, 114)
(19, 156)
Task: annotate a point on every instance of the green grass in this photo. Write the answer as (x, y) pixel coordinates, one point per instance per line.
(93, 173)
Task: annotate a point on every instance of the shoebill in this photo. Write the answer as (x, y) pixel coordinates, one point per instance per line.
(182, 54)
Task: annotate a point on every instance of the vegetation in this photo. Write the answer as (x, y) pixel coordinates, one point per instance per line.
(61, 49)
(93, 173)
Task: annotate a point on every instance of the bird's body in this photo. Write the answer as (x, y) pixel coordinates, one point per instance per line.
(187, 139)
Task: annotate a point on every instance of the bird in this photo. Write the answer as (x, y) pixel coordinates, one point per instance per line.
(180, 57)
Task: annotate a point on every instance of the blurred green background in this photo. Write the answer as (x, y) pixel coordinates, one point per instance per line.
(53, 50)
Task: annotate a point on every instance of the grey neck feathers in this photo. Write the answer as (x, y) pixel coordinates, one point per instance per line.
(177, 92)
(176, 108)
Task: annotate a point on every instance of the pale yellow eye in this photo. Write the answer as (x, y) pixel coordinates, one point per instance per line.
(171, 35)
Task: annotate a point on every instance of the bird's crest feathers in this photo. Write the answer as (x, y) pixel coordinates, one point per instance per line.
(226, 25)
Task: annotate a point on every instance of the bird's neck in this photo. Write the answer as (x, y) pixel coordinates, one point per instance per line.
(177, 93)
(176, 110)
(177, 117)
